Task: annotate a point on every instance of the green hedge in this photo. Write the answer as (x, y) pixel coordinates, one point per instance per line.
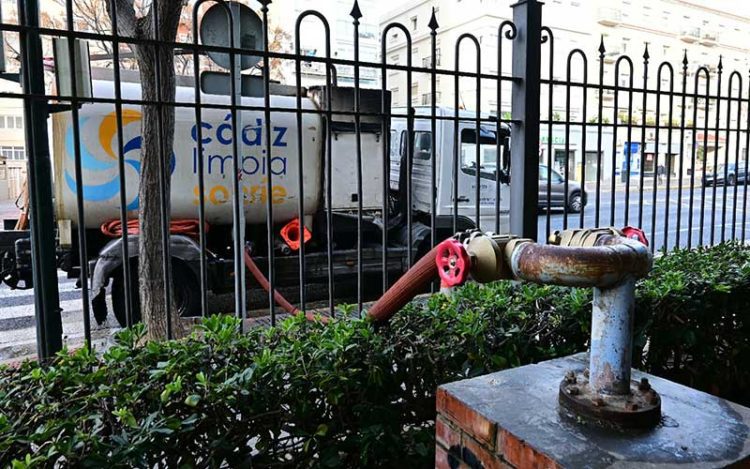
(351, 393)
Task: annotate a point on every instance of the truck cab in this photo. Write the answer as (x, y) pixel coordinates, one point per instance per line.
(492, 161)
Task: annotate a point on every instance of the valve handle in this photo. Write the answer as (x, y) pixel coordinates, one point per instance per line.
(453, 262)
(635, 233)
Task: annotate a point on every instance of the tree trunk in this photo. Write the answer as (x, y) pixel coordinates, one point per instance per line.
(157, 131)
(156, 146)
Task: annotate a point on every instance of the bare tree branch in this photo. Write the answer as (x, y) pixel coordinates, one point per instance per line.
(127, 24)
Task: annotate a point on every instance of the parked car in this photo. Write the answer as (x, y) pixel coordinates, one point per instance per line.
(734, 174)
(575, 198)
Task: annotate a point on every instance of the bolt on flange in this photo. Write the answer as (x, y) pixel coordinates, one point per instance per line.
(640, 408)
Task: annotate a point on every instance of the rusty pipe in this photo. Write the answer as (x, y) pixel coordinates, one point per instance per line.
(611, 266)
(609, 262)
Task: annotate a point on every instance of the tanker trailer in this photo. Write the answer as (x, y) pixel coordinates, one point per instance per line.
(101, 192)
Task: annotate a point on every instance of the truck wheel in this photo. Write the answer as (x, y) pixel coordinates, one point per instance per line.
(185, 288)
(731, 180)
(575, 204)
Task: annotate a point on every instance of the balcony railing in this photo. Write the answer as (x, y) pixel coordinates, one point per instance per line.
(690, 35)
(609, 16)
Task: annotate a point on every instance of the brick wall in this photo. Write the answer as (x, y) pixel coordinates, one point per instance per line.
(466, 439)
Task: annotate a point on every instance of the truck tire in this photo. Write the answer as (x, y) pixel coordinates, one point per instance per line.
(732, 180)
(185, 288)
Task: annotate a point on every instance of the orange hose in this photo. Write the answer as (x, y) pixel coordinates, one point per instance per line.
(408, 286)
(187, 227)
(278, 297)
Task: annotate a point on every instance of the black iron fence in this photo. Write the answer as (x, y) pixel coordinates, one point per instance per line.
(377, 186)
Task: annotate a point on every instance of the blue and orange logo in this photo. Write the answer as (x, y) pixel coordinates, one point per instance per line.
(107, 132)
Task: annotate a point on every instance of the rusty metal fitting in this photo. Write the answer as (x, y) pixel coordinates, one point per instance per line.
(581, 237)
(488, 261)
(606, 264)
(634, 409)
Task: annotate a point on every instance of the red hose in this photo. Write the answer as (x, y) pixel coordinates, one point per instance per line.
(187, 227)
(408, 286)
(278, 297)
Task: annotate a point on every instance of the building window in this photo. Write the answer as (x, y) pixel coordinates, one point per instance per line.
(414, 93)
(13, 153)
(19, 122)
(2, 122)
(413, 23)
(427, 98)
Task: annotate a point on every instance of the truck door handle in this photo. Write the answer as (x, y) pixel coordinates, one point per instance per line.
(462, 198)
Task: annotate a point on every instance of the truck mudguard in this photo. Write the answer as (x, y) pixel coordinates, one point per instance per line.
(109, 262)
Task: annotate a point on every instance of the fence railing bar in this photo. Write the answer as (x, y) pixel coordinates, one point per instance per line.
(510, 34)
(83, 275)
(705, 146)
(387, 115)
(599, 129)
(269, 160)
(550, 89)
(358, 137)
(126, 266)
(716, 154)
(641, 169)
(300, 152)
(433, 25)
(218, 106)
(668, 155)
(634, 89)
(727, 137)
(200, 158)
(682, 151)
(747, 161)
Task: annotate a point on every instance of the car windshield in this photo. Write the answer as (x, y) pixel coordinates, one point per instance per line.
(555, 177)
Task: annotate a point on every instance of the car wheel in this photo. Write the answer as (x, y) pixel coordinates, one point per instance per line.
(575, 203)
(732, 180)
(185, 288)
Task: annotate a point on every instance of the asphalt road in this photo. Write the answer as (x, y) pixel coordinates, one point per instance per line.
(17, 324)
(659, 214)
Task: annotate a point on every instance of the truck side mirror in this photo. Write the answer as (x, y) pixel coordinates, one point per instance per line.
(505, 162)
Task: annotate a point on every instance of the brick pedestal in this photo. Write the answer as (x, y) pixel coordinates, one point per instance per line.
(510, 419)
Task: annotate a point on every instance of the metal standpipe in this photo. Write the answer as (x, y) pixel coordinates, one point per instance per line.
(608, 262)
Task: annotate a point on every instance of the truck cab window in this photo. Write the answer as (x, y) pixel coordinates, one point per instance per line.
(487, 150)
(395, 144)
(422, 145)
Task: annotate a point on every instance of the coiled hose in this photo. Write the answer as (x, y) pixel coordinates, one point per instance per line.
(188, 227)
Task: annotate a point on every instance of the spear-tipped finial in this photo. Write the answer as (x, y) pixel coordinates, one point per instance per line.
(684, 59)
(602, 50)
(646, 55)
(433, 24)
(721, 65)
(265, 3)
(356, 13)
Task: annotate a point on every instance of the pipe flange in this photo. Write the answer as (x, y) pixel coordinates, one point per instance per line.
(640, 409)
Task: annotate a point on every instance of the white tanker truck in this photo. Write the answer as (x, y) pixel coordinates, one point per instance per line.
(101, 191)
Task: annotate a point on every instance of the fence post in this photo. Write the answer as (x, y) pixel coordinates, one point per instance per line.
(41, 212)
(524, 181)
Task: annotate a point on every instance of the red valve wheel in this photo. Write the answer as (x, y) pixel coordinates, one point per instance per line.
(453, 262)
(635, 233)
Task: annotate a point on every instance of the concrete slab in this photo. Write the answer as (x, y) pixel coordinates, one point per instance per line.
(697, 430)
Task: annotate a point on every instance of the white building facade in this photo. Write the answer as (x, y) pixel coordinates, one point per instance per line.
(284, 13)
(702, 29)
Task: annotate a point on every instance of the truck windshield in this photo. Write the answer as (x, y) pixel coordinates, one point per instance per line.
(487, 149)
